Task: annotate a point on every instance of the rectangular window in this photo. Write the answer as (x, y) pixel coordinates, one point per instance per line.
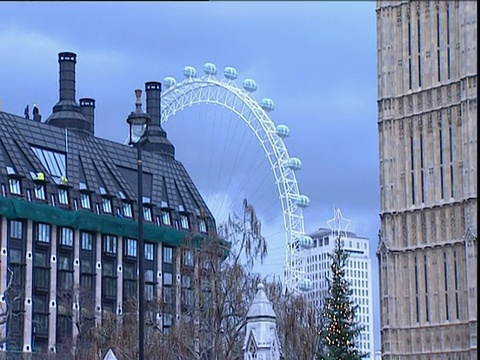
(412, 167)
(65, 280)
(131, 247)
(202, 226)
(149, 252)
(66, 237)
(167, 278)
(16, 229)
(106, 205)
(109, 287)
(129, 280)
(419, 40)
(110, 244)
(40, 314)
(16, 256)
(166, 220)
(41, 270)
(85, 201)
(188, 257)
(184, 221)
(427, 308)
(87, 241)
(63, 196)
(409, 55)
(87, 266)
(43, 232)
(40, 191)
(167, 255)
(15, 187)
(438, 48)
(417, 305)
(448, 41)
(445, 271)
(147, 213)
(455, 276)
(127, 209)
(109, 279)
(441, 162)
(149, 292)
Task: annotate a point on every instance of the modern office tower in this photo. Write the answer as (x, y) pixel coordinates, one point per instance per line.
(427, 127)
(358, 274)
(68, 223)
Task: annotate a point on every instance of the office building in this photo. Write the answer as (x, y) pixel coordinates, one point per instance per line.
(68, 223)
(358, 273)
(427, 128)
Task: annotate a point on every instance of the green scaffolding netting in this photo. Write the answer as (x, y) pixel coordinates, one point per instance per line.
(85, 220)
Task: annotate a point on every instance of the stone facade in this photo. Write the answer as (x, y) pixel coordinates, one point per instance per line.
(427, 128)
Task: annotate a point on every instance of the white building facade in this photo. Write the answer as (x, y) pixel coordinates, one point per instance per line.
(358, 273)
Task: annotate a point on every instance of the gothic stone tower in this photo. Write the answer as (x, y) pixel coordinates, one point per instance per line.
(427, 128)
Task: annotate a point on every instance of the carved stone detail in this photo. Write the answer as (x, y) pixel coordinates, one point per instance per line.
(410, 104)
(429, 99)
(443, 227)
(400, 129)
(424, 230)
(410, 127)
(420, 124)
(439, 97)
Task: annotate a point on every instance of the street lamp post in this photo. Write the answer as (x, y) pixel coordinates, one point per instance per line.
(138, 122)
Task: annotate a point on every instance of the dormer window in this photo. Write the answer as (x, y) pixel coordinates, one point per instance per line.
(202, 225)
(106, 205)
(40, 191)
(166, 219)
(121, 195)
(14, 182)
(15, 186)
(85, 200)
(63, 196)
(127, 209)
(102, 190)
(184, 221)
(147, 213)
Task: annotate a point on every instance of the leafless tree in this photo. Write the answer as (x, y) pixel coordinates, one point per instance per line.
(213, 307)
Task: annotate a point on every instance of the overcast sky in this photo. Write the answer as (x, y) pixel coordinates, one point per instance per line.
(316, 60)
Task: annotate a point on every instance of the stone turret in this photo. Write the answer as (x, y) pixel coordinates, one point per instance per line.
(261, 338)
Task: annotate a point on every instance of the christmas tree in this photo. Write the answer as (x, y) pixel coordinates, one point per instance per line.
(339, 326)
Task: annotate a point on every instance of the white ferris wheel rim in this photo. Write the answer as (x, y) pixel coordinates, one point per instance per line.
(225, 92)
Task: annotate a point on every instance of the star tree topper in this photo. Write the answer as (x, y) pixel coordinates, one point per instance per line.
(338, 224)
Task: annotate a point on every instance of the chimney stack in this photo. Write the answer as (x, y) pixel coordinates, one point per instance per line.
(67, 63)
(67, 113)
(87, 108)
(157, 137)
(153, 90)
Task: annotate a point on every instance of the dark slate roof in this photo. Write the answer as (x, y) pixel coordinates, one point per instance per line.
(99, 163)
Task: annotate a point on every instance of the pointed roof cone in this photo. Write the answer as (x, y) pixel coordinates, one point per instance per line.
(261, 306)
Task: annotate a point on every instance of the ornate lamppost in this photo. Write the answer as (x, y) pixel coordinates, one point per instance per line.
(138, 122)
